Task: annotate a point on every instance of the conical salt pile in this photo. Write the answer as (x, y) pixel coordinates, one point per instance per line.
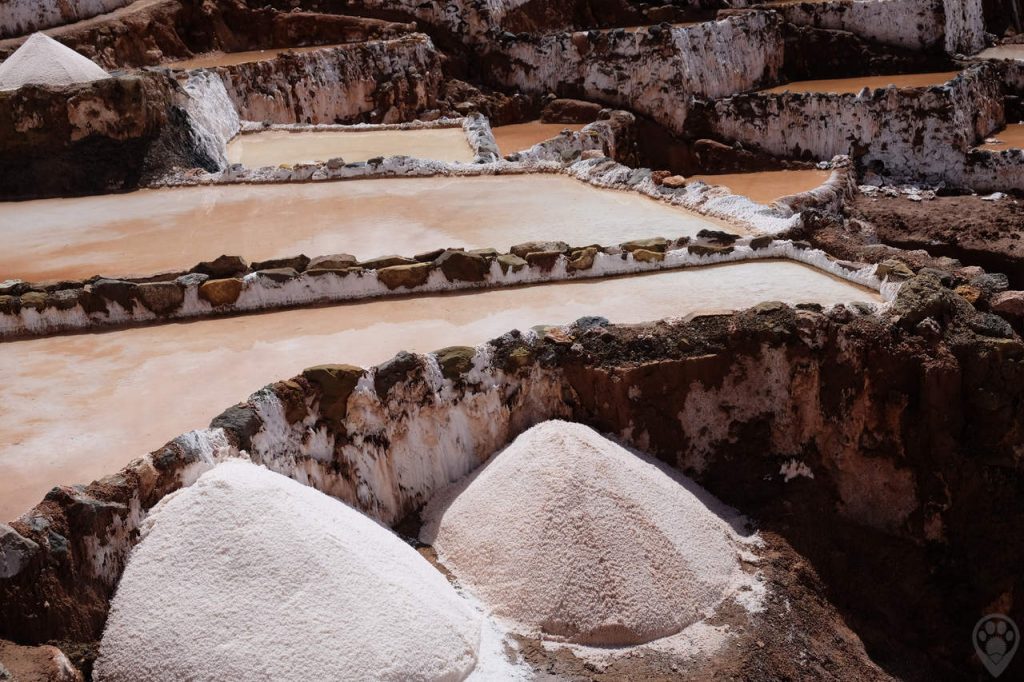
(573, 536)
(249, 575)
(41, 60)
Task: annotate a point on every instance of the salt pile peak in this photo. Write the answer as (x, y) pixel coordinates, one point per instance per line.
(41, 60)
(576, 538)
(248, 574)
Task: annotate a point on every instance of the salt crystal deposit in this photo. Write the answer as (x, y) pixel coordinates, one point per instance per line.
(571, 535)
(250, 575)
(41, 60)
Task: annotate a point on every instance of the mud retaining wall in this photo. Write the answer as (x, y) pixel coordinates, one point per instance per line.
(904, 134)
(835, 428)
(375, 82)
(20, 17)
(992, 171)
(654, 72)
(954, 26)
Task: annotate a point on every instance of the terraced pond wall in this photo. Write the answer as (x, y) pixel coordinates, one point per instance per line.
(867, 425)
(20, 17)
(955, 26)
(654, 71)
(152, 33)
(915, 134)
(378, 81)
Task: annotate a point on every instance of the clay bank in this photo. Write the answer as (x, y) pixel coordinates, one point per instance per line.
(111, 397)
(160, 230)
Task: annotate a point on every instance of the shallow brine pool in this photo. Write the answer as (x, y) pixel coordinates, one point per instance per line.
(153, 231)
(276, 147)
(80, 407)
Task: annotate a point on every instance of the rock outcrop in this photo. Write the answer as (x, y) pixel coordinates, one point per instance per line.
(104, 136)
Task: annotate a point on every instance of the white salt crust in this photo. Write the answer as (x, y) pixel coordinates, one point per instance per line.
(573, 537)
(41, 60)
(249, 575)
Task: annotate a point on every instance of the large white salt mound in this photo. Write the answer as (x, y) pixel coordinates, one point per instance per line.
(571, 535)
(248, 575)
(41, 60)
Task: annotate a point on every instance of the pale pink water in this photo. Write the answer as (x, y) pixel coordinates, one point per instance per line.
(1002, 52)
(76, 408)
(767, 186)
(1010, 137)
(214, 59)
(855, 85)
(517, 137)
(275, 147)
(153, 231)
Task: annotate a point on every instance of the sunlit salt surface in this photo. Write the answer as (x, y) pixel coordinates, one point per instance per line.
(1003, 52)
(275, 147)
(152, 231)
(79, 407)
(1010, 137)
(517, 137)
(855, 85)
(214, 59)
(767, 186)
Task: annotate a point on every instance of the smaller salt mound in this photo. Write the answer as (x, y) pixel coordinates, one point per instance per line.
(572, 535)
(249, 575)
(41, 60)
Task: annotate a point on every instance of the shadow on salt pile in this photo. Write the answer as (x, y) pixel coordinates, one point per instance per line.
(569, 537)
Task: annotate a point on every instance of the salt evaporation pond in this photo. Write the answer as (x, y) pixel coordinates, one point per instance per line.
(276, 147)
(79, 407)
(1002, 52)
(215, 59)
(152, 231)
(517, 137)
(766, 186)
(855, 85)
(1010, 137)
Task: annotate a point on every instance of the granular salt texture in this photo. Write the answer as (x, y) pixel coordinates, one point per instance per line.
(248, 575)
(567, 533)
(41, 60)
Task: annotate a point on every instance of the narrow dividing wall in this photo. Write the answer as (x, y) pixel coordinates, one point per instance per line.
(915, 134)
